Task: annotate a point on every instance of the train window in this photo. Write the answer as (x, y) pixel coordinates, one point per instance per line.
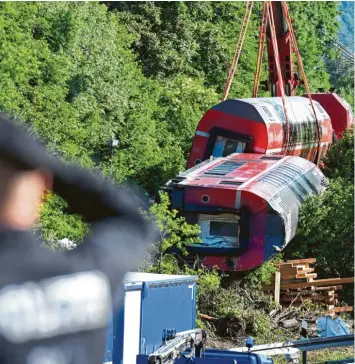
(218, 228)
(225, 146)
(271, 157)
(231, 183)
(224, 168)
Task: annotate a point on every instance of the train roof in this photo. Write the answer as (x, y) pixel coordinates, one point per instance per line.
(261, 174)
(270, 109)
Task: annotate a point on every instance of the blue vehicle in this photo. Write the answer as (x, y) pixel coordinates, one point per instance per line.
(189, 347)
(157, 325)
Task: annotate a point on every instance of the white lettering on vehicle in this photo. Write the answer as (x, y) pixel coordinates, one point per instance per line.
(55, 306)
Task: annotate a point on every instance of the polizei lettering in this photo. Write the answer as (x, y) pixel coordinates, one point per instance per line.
(55, 306)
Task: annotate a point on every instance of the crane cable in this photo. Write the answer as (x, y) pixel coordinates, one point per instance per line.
(279, 74)
(262, 36)
(238, 49)
(300, 64)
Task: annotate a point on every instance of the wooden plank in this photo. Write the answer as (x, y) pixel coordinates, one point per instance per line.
(301, 293)
(288, 269)
(341, 309)
(316, 283)
(306, 270)
(307, 276)
(329, 288)
(317, 304)
(301, 267)
(319, 282)
(277, 287)
(291, 277)
(300, 261)
(304, 298)
(207, 317)
(324, 295)
(315, 290)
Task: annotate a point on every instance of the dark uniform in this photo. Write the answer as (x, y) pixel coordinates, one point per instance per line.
(55, 306)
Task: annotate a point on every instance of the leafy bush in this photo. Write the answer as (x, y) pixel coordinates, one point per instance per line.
(263, 274)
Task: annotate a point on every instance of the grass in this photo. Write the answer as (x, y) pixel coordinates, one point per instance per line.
(322, 356)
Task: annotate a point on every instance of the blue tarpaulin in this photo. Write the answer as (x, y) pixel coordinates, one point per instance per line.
(328, 327)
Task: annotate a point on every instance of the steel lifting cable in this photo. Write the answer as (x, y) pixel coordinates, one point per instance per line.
(279, 74)
(300, 64)
(238, 49)
(262, 36)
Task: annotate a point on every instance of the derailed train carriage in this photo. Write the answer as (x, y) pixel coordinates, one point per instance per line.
(258, 125)
(247, 205)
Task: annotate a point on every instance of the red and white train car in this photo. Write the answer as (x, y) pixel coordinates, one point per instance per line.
(247, 205)
(258, 125)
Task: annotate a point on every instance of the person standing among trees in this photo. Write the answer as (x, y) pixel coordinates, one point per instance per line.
(55, 306)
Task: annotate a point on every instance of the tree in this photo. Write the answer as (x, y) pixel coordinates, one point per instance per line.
(68, 72)
(326, 230)
(182, 105)
(174, 232)
(56, 225)
(339, 160)
(198, 39)
(312, 20)
(326, 225)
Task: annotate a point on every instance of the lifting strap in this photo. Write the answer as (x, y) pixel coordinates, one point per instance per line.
(262, 37)
(238, 49)
(267, 17)
(279, 75)
(300, 64)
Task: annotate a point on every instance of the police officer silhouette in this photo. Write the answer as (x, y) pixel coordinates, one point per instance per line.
(55, 306)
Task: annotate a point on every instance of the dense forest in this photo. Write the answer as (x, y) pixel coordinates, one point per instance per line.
(144, 73)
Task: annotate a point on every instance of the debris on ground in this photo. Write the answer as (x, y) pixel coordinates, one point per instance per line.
(297, 283)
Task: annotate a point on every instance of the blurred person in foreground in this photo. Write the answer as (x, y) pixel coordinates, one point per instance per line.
(55, 306)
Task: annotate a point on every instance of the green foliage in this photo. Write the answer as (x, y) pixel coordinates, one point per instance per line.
(208, 280)
(263, 274)
(339, 160)
(174, 232)
(326, 230)
(311, 20)
(198, 39)
(66, 225)
(79, 74)
(183, 103)
(67, 70)
(326, 225)
(192, 38)
(241, 309)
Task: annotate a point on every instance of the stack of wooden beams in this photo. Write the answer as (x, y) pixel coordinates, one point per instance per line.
(295, 281)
